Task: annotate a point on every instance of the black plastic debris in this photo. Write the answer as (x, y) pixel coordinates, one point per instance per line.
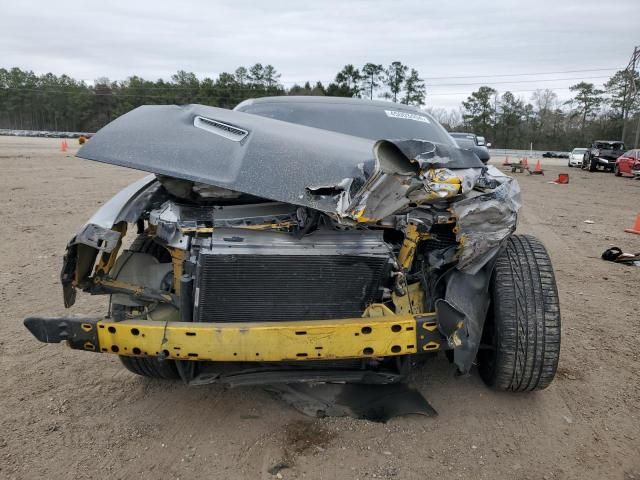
(377, 403)
(616, 255)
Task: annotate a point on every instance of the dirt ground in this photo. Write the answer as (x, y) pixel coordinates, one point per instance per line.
(67, 414)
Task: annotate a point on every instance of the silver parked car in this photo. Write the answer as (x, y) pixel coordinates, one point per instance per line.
(576, 156)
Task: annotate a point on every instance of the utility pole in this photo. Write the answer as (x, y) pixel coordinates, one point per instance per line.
(634, 62)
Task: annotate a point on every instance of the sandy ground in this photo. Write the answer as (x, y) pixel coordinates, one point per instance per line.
(72, 415)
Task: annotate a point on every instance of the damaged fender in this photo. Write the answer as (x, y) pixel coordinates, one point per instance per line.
(98, 234)
(462, 312)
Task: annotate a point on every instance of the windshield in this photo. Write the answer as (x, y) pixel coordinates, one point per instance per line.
(610, 146)
(367, 121)
(464, 142)
(579, 150)
(463, 135)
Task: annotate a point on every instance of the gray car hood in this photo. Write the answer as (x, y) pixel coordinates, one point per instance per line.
(259, 156)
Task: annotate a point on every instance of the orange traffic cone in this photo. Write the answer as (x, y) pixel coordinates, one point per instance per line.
(506, 162)
(538, 169)
(563, 179)
(63, 146)
(525, 162)
(636, 226)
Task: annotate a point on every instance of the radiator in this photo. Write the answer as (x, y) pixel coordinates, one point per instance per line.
(271, 276)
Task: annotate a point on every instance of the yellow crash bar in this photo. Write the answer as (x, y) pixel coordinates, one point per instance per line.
(262, 341)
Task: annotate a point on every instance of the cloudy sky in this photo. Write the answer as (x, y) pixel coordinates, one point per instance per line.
(456, 46)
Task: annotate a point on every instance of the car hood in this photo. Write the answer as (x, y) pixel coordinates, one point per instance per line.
(260, 156)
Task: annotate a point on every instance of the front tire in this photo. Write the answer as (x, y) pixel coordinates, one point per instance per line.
(522, 329)
(151, 367)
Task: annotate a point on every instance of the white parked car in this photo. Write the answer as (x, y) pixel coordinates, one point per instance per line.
(576, 156)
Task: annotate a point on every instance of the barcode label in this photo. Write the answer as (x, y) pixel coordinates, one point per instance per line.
(406, 116)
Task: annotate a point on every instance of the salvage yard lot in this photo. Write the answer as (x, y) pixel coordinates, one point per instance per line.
(67, 414)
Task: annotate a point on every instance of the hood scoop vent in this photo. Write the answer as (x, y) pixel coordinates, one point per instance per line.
(225, 130)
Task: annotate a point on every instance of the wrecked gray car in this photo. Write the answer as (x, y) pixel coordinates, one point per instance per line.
(305, 239)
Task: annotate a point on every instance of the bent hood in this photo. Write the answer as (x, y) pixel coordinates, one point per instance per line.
(267, 158)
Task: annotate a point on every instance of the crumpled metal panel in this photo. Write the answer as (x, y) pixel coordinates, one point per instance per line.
(429, 154)
(486, 219)
(468, 295)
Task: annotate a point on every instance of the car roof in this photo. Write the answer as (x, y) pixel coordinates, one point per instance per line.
(302, 99)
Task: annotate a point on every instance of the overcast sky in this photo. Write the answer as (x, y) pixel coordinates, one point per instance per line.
(313, 40)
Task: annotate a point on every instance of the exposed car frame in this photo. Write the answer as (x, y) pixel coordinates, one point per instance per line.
(417, 235)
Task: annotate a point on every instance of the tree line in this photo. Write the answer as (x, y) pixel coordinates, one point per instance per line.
(61, 103)
(544, 121)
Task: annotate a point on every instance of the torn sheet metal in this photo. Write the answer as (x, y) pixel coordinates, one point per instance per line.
(377, 403)
(485, 220)
(404, 178)
(436, 155)
(125, 206)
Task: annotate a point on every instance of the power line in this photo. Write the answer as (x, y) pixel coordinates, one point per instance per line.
(513, 81)
(512, 91)
(523, 74)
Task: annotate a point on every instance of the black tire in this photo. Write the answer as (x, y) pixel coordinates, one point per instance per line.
(150, 367)
(522, 329)
(593, 165)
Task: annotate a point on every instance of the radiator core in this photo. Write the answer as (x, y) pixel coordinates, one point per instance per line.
(269, 276)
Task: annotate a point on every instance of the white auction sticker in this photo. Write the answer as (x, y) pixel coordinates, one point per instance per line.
(406, 115)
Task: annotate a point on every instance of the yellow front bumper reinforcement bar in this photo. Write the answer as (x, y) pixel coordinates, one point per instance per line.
(247, 341)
